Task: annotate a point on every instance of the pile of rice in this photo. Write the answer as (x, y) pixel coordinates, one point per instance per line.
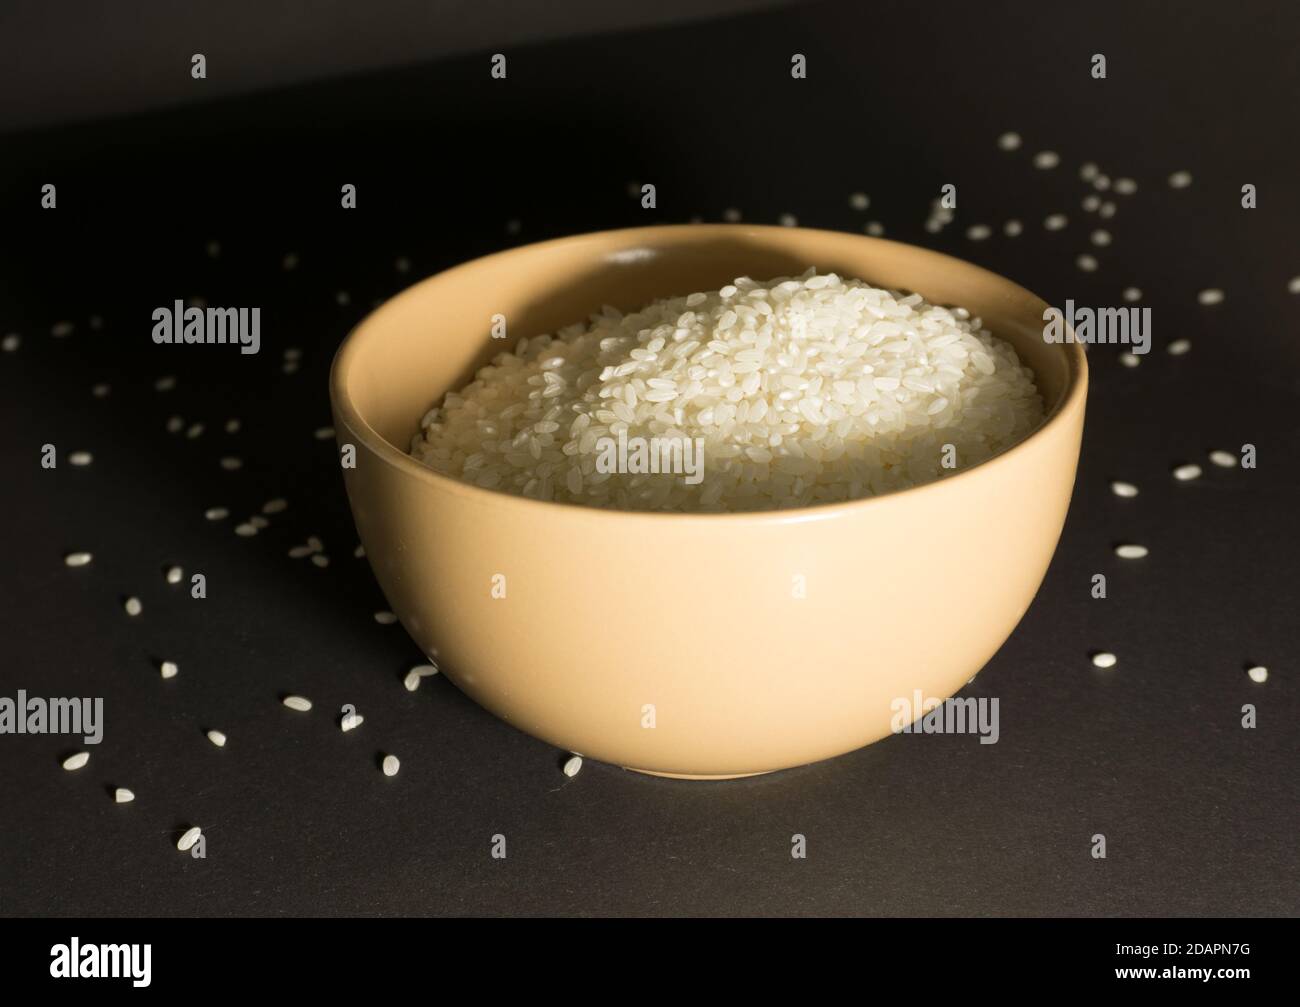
(803, 391)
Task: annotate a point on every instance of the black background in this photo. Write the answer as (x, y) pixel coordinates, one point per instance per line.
(1200, 815)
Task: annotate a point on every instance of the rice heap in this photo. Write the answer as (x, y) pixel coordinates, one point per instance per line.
(797, 391)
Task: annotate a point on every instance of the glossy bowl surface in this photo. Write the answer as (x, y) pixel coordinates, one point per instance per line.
(678, 644)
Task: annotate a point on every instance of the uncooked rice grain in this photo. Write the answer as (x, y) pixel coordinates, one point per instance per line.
(78, 558)
(1185, 472)
(1123, 489)
(168, 669)
(76, 761)
(300, 703)
(572, 766)
(351, 721)
(190, 837)
(1104, 660)
(123, 796)
(803, 391)
(1224, 459)
(1131, 551)
(391, 765)
(133, 606)
(1258, 674)
(218, 738)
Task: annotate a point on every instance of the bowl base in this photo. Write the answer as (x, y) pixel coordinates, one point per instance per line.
(698, 776)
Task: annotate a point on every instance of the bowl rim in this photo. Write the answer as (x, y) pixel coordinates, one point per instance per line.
(370, 328)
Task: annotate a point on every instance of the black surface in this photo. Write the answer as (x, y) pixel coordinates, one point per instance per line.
(1200, 814)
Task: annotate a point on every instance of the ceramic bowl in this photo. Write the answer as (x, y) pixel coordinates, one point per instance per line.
(676, 644)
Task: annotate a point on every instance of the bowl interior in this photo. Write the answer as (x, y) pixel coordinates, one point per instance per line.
(432, 338)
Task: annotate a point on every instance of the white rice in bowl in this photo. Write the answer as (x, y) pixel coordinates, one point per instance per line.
(796, 391)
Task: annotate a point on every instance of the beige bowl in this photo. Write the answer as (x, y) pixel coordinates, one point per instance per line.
(673, 643)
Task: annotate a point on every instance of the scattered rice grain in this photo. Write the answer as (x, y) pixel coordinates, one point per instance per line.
(351, 721)
(76, 761)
